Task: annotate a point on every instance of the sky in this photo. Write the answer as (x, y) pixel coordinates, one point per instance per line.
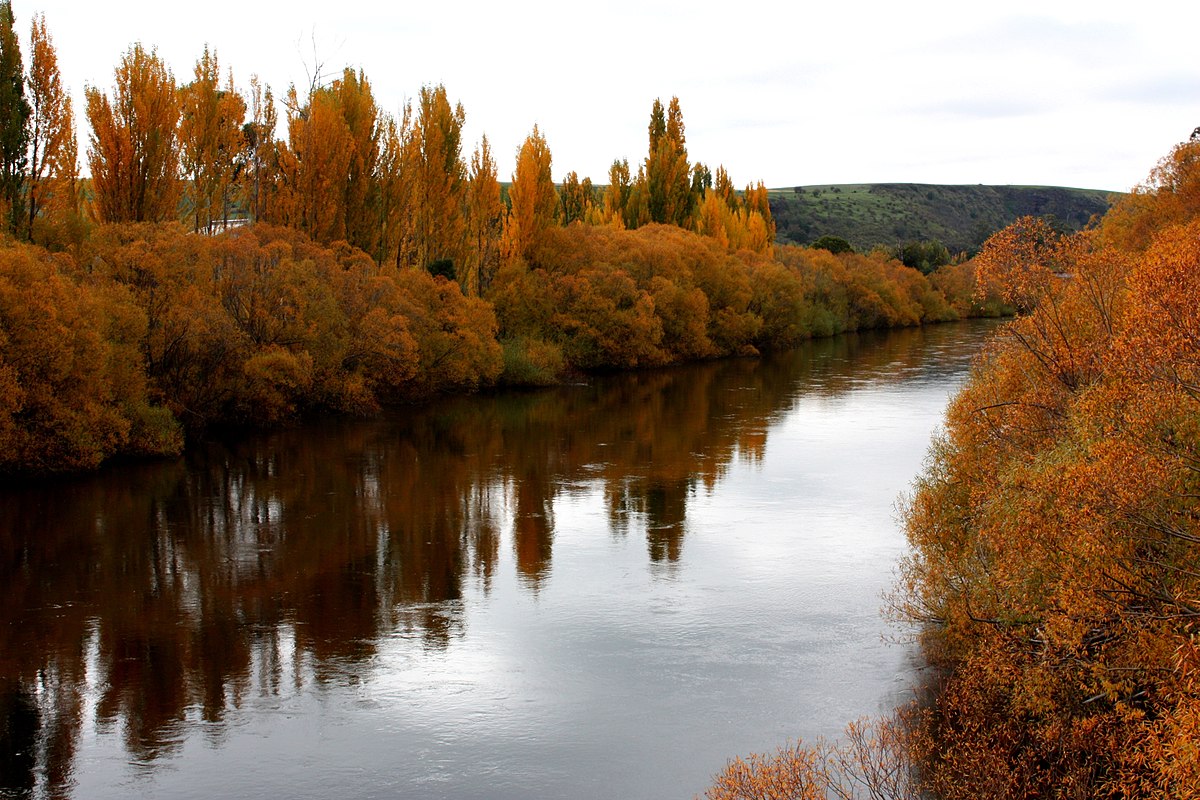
(1064, 93)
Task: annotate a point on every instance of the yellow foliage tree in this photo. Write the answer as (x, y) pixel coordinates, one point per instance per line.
(533, 198)
(433, 170)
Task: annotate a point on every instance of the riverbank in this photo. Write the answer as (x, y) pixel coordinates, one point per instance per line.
(145, 333)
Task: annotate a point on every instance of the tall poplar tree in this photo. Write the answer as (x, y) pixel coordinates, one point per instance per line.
(362, 192)
(533, 197)
(210, 133)
(485, 216)
(668, 173)
(52, 148)
(433, 169)
(14, 123)
(258, 142)
(134, 150)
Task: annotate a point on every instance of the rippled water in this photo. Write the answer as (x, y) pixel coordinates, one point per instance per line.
(603, 590)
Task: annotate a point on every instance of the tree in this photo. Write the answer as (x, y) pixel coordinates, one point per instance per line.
(319, 142)
(362, 187)
(433, 169)
(926, 255)
(210, 133)
(485, 218)
(258, 140)
(533, 197)
(53, 167)
(616, 196)
(834, 244)
(14, 119)
(134, 146)
(577, 198)
(668, 174)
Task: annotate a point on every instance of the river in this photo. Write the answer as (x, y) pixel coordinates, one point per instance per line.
(594, 591)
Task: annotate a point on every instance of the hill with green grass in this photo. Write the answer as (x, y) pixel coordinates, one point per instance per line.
(891, 214)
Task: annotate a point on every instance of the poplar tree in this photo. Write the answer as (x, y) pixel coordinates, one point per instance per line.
(533, 198)
(14, 123)
(577, 198)
(485, 215)
(258, 142)
(210, 132)
(668, 173)
(433, 168)
(53, 167)
(134, 150)
(362, 193)
(616, 196)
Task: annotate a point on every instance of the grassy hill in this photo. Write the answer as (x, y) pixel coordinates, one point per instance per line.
(961, 217)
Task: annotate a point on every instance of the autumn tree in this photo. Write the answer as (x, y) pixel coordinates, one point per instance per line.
(14, 118)
(1170, 195)
(616, 195)
(134, 147)
(738, 222)
(1054, 530)
(668, 173)
(255, 162)
(533, 197)
(723, 186)
(577, 198)
(436, 176)
(394, 196)
(315, 177)
(485, 218)
(758, 213)
(210, 134)
(328, 181)
(53, 151)
(362, 186)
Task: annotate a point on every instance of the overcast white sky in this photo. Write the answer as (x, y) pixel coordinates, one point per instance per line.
(1087, 94)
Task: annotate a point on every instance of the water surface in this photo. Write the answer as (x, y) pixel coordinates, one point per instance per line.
(603, 590)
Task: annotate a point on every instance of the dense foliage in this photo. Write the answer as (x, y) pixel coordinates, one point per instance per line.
(161, 327)
(1055, 529)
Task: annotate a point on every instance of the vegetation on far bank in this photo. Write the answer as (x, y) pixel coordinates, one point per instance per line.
(214, 272)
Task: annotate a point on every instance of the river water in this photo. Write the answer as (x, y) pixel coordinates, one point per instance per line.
(595, 591)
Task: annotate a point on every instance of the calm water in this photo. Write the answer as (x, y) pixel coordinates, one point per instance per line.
(603, 590)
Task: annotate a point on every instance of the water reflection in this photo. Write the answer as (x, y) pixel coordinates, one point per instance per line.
(152, 600)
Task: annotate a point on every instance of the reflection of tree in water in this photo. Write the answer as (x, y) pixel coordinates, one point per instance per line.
(533, 531)
(192, 586)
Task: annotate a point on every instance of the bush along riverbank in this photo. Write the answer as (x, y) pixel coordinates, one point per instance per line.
(147, 333)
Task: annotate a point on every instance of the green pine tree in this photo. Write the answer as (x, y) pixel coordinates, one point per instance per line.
(14, 122)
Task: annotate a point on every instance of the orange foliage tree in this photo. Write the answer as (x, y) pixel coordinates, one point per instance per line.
(533, 198)
(53, 152)
(210, 135)
(432, 168)
(134, 151)
(485, 220)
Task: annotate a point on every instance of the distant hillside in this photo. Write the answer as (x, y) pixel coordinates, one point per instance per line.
(961, 217)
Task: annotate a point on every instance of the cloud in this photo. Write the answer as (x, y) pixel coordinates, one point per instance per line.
(986, 108)
(1165, 89)
(1044, 36)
